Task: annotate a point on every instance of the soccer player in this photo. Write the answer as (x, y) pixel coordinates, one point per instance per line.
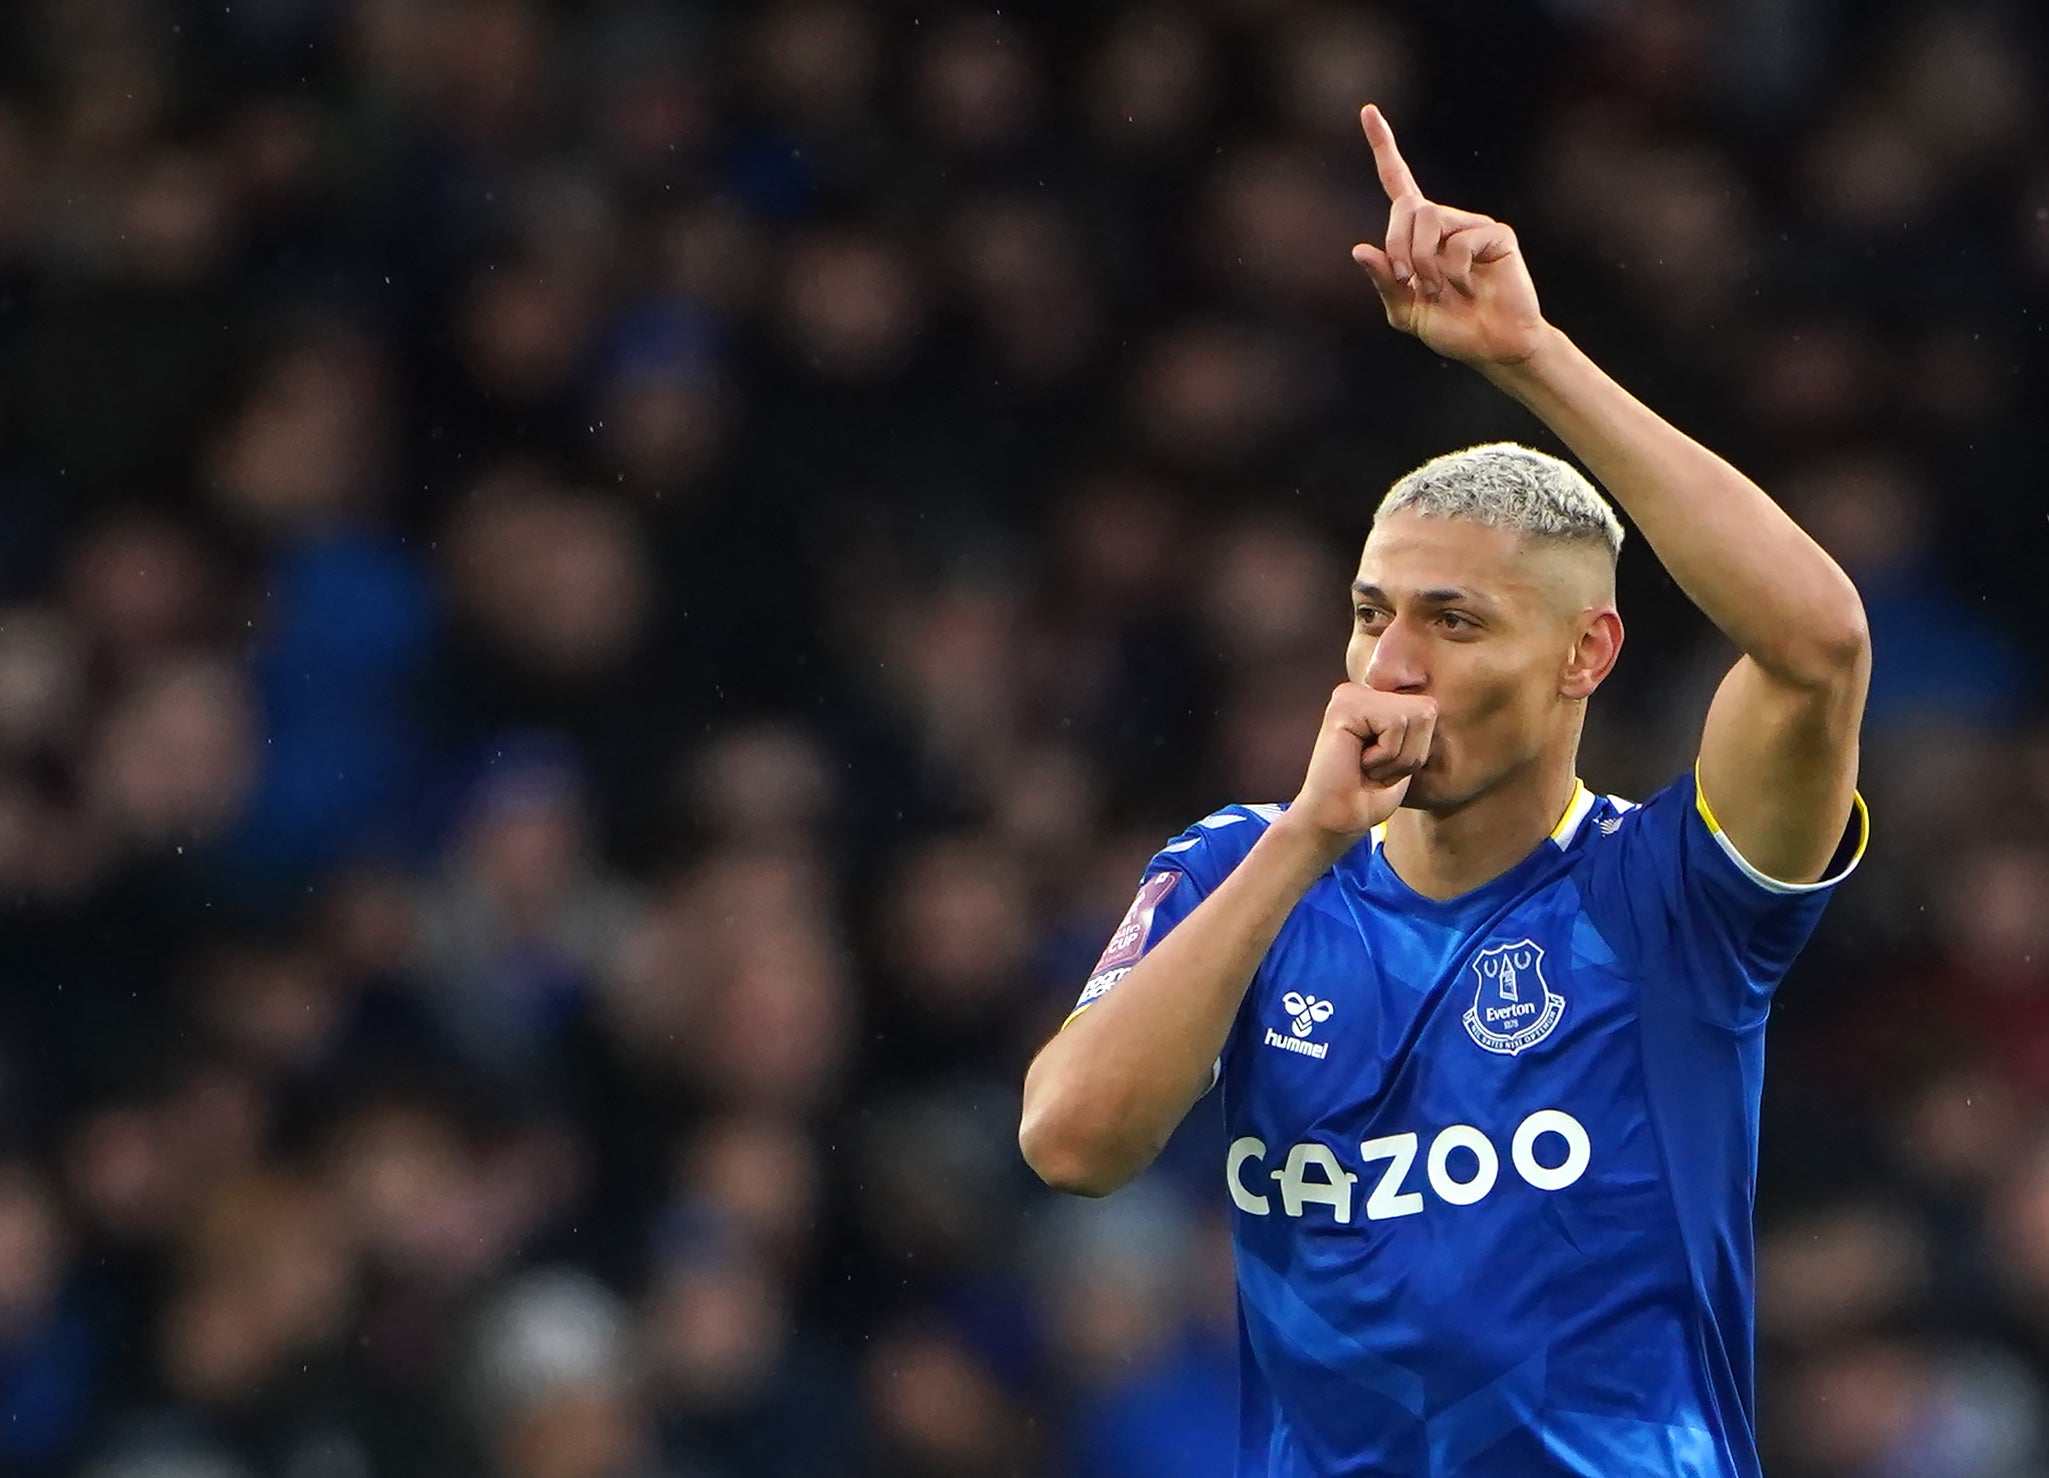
(1490, 1043)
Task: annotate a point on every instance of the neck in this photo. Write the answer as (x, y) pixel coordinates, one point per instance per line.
(1444, 854)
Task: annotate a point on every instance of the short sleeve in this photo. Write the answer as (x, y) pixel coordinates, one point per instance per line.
(1664, 883)
(1166, 897)
(1180, 876)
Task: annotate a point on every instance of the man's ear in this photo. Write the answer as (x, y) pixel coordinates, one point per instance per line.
(1593, 654)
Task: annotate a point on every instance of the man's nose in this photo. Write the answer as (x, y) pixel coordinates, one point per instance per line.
(1396, 665)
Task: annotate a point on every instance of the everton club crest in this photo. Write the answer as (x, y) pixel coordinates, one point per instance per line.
(1514, 1007)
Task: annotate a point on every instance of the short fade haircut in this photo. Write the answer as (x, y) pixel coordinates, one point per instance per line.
(1511, 487)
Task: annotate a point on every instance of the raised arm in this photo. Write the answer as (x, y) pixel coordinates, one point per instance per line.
(1778, 754)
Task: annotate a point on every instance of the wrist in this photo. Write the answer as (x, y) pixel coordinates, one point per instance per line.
(1549, 350)
(1305, 848)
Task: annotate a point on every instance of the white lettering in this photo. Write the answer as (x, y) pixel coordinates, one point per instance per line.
(1332, 1185)
(1462, 1137)
(1578, 1149)
(1388, 1199)
(1296, 1044)
(1333, 1189)
(1247, 1148)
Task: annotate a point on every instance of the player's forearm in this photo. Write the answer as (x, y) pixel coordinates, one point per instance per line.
(1103, 1096)
(1769, 587)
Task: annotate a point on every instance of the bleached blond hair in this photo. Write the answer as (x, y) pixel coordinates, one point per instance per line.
(1507, 486)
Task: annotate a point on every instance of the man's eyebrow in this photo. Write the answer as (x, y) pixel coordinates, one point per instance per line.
(1449, 595)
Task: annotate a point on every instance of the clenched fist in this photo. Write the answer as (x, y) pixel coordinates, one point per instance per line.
(1370, 744)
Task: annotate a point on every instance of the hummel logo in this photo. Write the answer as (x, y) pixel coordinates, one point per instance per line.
(1609, 825)
(1309, 1013)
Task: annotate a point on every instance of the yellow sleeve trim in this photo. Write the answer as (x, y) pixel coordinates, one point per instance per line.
(1859, 810)
(1072, 1014)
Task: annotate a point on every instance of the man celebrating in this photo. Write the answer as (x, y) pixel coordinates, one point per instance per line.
(1491, 1045)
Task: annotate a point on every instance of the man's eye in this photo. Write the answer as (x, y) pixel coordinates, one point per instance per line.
(1367, 614)
(1455, 621)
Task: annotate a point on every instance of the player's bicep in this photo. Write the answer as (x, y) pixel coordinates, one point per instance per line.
(1778, 767)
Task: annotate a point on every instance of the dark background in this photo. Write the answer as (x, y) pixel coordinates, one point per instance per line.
(600, 604)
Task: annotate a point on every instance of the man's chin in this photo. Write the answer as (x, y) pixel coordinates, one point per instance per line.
(1426, 791)
(1439, 788)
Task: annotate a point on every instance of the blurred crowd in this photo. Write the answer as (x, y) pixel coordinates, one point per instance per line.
(602, 600)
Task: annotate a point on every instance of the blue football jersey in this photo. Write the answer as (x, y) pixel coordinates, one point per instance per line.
(1492, 1158)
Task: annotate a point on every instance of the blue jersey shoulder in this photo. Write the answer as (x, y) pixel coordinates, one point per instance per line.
(1210, 849)
(1180, 875)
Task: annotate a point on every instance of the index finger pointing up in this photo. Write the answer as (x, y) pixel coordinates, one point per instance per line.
(1394, 170)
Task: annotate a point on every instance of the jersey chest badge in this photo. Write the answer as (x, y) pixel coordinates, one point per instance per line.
(1514, 1007)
